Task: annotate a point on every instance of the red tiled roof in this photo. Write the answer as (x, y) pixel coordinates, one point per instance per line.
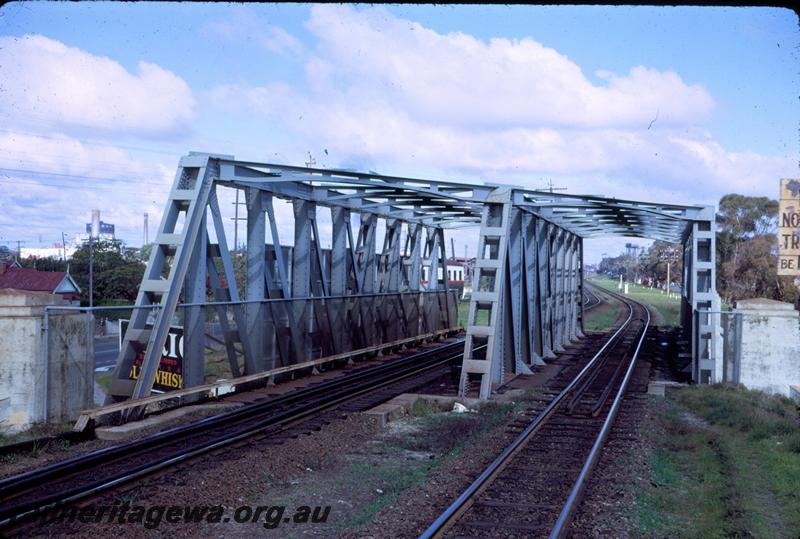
(31, 279)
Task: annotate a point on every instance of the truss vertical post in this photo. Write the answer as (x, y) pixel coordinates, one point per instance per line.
(558, 280)
(573, 299)
(545, 282)
(301, 275)
(581, 288)
(486, 320)
(517, 351)
(339, 271)
(533, 320)
(445, 284)
(194, 326)
(365, 256)
(415, 258)
(256, 278)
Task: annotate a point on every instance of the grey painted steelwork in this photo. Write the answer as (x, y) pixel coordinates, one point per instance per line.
(699, 297)
(527, 283)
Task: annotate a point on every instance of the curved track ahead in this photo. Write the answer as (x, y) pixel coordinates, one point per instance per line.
(28, 494)
(591, 299)
(533, 487)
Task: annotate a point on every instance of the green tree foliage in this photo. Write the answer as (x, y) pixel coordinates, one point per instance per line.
(144, 252)
(44, 264)
(653, 263)
(116, 277)
(6, 253)
(747, 251)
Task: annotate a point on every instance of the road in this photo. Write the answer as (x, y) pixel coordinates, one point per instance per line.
(106, 350)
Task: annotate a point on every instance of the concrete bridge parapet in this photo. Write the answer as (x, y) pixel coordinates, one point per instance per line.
(45, 374)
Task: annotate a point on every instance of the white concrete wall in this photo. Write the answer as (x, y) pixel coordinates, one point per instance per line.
(22, 376)
(770, 349)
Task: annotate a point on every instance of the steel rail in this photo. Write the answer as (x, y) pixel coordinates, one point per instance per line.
(386, 377)
(32, 478)
(565, 517)
(591, 304)
(463, 501)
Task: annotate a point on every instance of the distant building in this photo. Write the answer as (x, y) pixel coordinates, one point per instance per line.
(12, 275)
(459, 274)
(55, 251)
(105, 232)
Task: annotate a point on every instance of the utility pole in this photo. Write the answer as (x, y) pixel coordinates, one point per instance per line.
(63, 248)
(236, 220)
(551, 188)
(94, 228)
(668, 255)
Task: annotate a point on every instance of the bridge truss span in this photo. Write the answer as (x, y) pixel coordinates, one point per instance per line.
(305, 301)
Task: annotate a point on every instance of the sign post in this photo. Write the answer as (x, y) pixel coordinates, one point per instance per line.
(789, 228)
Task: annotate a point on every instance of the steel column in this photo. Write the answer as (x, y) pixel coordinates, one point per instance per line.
(255, 201)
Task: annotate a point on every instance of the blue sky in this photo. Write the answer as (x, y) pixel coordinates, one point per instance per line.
(115, 92)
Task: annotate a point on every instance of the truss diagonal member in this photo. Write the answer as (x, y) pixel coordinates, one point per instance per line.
(188, 198)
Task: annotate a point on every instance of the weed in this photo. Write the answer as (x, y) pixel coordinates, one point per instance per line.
(424, 407)
(726, 465)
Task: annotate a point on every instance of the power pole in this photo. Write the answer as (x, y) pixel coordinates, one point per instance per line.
(551, 188)
(236, 220)
(668, 255)
(63, 248)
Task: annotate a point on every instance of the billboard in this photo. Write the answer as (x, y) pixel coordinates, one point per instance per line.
(170, 370)
(789, 228)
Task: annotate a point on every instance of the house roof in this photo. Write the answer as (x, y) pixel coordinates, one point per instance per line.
(40, 281)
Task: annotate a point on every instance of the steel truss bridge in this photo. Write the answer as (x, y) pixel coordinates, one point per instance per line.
(308, 302)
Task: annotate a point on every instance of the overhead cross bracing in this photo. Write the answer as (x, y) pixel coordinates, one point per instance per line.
(304, 301)
(456, 204)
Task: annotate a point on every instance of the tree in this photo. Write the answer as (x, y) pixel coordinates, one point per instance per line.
(5, 253)
(114, 276)
(44, 264)
(144, 252)
(653, 264)
(747, 250)
(119, 283)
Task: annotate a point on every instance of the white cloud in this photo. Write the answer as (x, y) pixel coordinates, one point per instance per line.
(246, 26)
(66, 179)
(458, 79)
(383, 90)
(44, 81)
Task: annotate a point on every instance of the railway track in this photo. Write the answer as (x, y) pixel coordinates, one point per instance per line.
(591, 300)
(24, 496)
(534, 486)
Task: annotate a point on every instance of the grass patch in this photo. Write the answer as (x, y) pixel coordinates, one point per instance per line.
(463, 313)
(723, 463)
(103, 379)
(669, 308)
(443, 435)
(602, 317)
